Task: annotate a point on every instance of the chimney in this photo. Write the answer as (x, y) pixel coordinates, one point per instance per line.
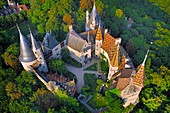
(87, 17)
(105, 31)
(70, 27)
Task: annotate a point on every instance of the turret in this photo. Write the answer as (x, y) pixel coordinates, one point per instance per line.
(39, 54)
(93, 21)
(33, 42)
(140, 74)
(26, 57)
(98, 42)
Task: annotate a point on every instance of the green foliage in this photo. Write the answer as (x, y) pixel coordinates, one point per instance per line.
(71, 61)
(104, 64)
(45, 99)
(65, 53)
(115, 91)
(26, 82)
(92, 67)
(11, 56)
(57, 65)
(164, 5)
(119, 13)
(12, 91)
(90, 80)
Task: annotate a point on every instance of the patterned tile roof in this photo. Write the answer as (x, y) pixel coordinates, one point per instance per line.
(99, 34)
(115, 60)
(116, 55)
(109, 44)
(140, 76)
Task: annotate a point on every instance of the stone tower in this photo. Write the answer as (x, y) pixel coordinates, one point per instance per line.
(94, 20)
(26, 57)
(131, 92)
(98, 42)
(38, 54)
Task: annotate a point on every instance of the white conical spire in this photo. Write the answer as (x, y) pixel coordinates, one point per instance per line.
(143, 64)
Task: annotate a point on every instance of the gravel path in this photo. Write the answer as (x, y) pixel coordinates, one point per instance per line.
(79, 72)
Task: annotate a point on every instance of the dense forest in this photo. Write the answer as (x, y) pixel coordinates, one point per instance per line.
(22, 92)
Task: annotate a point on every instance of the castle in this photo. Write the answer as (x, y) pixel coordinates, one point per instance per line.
(83, 46)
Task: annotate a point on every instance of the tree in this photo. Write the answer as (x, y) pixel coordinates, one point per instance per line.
(3, 3)
(119, 13)
(44, 98)
(12, 91)
(65, 53)
(86, 4)
(26, 83)
(57, 65)
(11, 56)
(67, 18)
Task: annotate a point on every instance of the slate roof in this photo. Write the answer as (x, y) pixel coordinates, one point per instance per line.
(50, 41)
(75, 41)
(94, 16)
(34, 42)
(26, 54)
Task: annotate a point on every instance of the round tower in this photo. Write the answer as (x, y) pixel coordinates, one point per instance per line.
(26, 57)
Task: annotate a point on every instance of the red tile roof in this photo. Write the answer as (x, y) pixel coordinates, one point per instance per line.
(122, 83)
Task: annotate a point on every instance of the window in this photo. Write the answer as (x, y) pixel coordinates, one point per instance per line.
(57, 54)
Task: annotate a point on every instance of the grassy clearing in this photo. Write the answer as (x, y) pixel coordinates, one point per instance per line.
(92, 67)
(91, 81)
(72, 62)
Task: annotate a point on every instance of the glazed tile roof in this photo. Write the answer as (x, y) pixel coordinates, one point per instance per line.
(140, 76)
(115, 60)
(58, 78)
(99, 34)
(109, 44)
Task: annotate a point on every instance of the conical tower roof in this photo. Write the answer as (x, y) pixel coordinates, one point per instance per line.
(140, 75)
(99, 34)
(26, 54)
(94, 16)
(33, 42)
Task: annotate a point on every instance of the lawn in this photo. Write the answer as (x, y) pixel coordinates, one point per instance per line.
(72, 62)
(92, 67)
(91, 81)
